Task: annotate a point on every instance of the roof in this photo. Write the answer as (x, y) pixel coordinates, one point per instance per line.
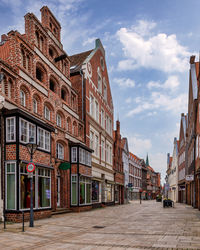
(77, 60)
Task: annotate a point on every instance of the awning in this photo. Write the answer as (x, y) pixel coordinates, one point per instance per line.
(110, 182)
(64, 166)
(97, 179)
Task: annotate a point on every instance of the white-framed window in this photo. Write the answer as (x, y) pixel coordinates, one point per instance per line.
(96, 111)
(91, 140)
(85, 190)
(91, 105)
(110, 126)
(105, 91)
(58, 120)
(22, 98)
(74, 154)
(35, 106)
(96, 150)
(107, 153)
(10, 129)
(102, 150)
(110, 154)
(27, 131)
(46, 113)
(60, 151)
(10, 185)
(74, 190)
(102, 118)
(43, 138)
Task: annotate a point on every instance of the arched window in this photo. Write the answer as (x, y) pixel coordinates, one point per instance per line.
(40, 73)
(41, 43)
(52, 85)
(28, 63)
(51, 53)
(63, 94)
(60, 151)
(35, 106)
(37, 38)
(47, 114)
(74, 128)
(23, 59)
(58, 120)
(10, 88)
(22, 98)
(99, 80)
(68, 124)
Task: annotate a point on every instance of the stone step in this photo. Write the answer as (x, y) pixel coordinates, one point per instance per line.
(61, 211)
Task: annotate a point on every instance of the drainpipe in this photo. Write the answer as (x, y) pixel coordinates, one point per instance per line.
(83, 104)
(194, 134)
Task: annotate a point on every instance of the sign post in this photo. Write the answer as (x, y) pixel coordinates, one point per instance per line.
(140, 195)
(30, 169)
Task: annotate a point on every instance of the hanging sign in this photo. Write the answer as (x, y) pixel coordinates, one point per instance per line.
(189, 177)
(30, 167)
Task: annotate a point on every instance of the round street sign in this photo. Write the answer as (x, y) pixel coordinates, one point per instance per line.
(30, 167)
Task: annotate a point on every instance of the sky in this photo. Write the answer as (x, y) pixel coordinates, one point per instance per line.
(148, 45)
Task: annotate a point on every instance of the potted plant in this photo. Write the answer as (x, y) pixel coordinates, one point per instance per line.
(159, 198)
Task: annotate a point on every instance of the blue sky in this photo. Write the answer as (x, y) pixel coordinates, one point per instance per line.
(148, 44)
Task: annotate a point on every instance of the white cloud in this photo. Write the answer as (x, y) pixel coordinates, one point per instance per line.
(138, 145)
(159, 101)
(128, 100)
(90, 40)
(171, 83)
(143, 49)
(124, 82)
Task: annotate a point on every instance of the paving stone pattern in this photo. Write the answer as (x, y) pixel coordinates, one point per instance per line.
(132, 226)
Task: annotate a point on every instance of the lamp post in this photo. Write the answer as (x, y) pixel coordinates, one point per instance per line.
(31, 146)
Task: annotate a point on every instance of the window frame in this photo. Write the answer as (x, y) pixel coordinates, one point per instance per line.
(60, 155)
(74, 154)
(6, 163)
(47, 111)
(14, 132)
(22, 98)
(44, 139)
(28, 131)
(58, 120)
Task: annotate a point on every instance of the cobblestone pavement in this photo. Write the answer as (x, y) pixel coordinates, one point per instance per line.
(132, 226)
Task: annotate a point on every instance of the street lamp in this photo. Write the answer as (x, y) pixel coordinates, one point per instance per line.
(31, 146)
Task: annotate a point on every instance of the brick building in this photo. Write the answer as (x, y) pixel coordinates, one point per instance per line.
(118, 165)
(144, 180)
(181, 159)
(89, 77)
(125, 162)
(39, 105)
(135, 176)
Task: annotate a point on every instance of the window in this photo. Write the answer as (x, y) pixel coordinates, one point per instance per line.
(60, 151)
(102, 150)
(68, 124)
(10, 129)
(109, 192)
(74, 154)
(10, 185)
(110, 126)
(91, 105)
(74, 190)
(27, 131)
(96, 111)
(44, 188)
(96, 145)
(99, 81)
(63, 94)
(43, 138)
(91, 140)
(22, 98)
(95, 191)
(39, 74)
(102, 63)
(85, 190)
(46, 113)
(35, 106)
(105, 92)
(74, 129)
(102, 118)
(58, 120)
(52, 85)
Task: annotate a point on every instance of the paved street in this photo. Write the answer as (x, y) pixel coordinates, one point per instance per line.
(132, 226)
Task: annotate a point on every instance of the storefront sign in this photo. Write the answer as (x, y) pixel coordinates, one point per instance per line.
(130, 184)
(30, 167)
(189, 177)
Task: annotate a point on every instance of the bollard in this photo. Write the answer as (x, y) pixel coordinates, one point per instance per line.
(22, 221)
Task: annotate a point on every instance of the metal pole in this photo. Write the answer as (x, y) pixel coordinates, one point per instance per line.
(31, 207)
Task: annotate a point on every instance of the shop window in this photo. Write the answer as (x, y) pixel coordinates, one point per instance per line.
(109, 192)
(95, 191)
(85, 190)
(44, 188)
(60, 151)
(22, 98)
(10, 185)
(74, 190)
(25, 188)
(10, 129)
